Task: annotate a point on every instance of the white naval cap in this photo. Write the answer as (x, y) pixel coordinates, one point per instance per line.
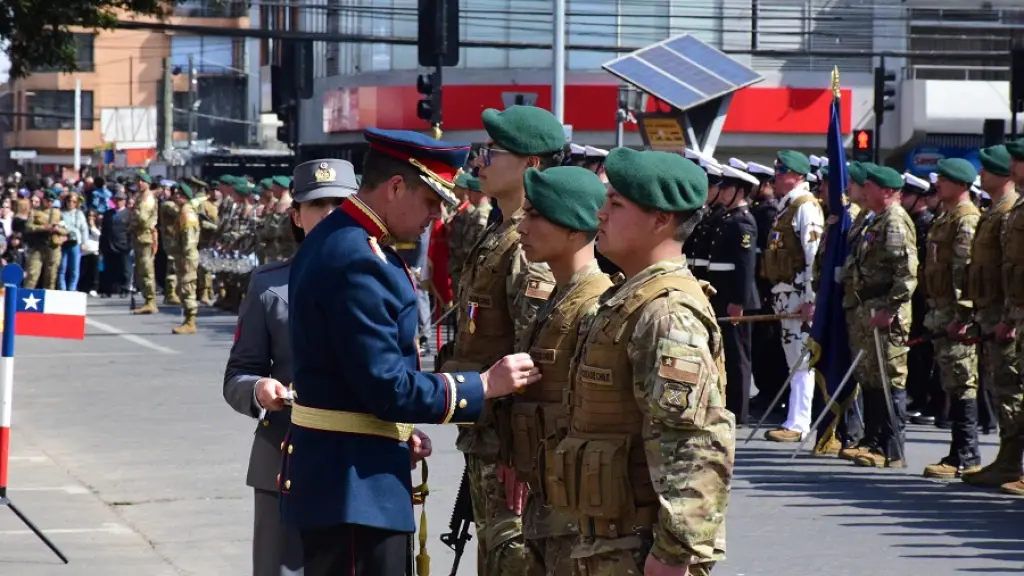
(933, 177)
(815, 161)
(711, 167)
(691, 154)
(755, 168)
(812, 177)
(738, 174)
(737, 164)
(577, 150)
(976, 188)
(915, 182)
(824, 161)
(983, 195)
(591, 152)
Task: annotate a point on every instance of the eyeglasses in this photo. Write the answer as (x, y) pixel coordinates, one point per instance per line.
(781, 168)
(487, 154)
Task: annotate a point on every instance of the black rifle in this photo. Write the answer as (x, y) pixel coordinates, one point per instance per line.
(462, 517)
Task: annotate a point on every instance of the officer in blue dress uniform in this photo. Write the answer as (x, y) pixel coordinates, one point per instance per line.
(732, 264)
(345, 476)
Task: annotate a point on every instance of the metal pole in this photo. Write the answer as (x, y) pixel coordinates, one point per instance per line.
(558, 86)
(441, 33)
(78, 125)
(620, 128)
(166, 113)
(878, 114)
(191, 98)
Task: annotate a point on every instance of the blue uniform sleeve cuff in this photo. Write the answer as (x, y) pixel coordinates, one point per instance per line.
(465, 398)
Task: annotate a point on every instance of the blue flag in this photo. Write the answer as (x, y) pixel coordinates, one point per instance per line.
(829, 341)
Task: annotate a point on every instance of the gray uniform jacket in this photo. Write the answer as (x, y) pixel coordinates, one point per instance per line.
(261, 349)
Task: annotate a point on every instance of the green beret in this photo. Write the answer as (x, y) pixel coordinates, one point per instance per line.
(282, 181)
(858, 172)
(468, 181)
(197, 182)
(242, 188)
(884, 176)
(568, 196)
(657, 180)
(958, 170)
(525, 130)
(52, 194)
(995, 160)
(266, 183)
(144, 177)
(1016, 149)
(797, 162)
(185, 189)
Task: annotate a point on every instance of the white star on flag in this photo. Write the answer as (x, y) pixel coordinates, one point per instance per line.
(32, 303)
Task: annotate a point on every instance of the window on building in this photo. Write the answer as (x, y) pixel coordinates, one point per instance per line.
(85, 55)
(6, 112)
(55, 110)
(945, 30)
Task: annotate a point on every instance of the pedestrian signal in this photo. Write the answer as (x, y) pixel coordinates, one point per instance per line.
(863, 140)
(863, 145)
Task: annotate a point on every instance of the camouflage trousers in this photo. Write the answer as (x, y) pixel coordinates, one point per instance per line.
(894, 350)
(186, 269)
(1002, 363)
(42, 267)
(957, 362)
(624, 563)
(551, 556)
(145, 273)
(205, 285)
(501, 549)
(171, 279)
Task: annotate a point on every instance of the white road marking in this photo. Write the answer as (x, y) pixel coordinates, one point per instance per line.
(71, 489)
(34, 459)
(84, 354)
(107, 528)
(129, 337)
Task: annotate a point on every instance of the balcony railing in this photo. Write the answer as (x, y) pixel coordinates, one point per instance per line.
(961, 72)
(211, 9)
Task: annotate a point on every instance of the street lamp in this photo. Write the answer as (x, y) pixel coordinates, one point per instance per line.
(631, 99)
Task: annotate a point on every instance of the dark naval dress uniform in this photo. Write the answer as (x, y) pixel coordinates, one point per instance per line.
(731, 269)
(345, 477)
(768, 359)
(261, 349)
(698, 246)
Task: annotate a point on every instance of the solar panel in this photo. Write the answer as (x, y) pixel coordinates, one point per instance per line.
(683, 71)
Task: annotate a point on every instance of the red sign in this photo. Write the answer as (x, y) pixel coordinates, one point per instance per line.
(754, 110)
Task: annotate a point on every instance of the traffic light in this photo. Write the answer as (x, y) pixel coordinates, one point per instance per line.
(429, 108)
(885, 92)
(286, 131)
(863, 145)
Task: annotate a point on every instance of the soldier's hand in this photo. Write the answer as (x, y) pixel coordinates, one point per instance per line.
(655, 567)
(515, 490)
(807, 311)
(881, 319)
(1005, 332)
(419, 446)
(734, 311)
(508, 375)
(956, 331)
(271, 394)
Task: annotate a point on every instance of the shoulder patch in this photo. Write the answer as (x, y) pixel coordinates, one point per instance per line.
(375, 247)
(745, 241)
(539, 289)
(894, 237)
(680, 370)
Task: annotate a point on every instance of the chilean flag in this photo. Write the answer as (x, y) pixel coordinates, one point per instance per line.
(50, 314)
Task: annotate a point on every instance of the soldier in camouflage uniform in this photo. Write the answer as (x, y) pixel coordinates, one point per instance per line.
(945, 277)
(646, 413)
(466, 226)
(227, 211)
(143, 223)
(1010, 400)
(558, 229)
(879, 277)
(277, 221)
(209, 224)
(44, 234)
(985, 289)
(186, 257)
(499, 295)
(168, 220)
(788, 259)
(266, 233)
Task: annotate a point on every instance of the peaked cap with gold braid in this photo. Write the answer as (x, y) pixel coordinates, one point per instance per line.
(437, 161)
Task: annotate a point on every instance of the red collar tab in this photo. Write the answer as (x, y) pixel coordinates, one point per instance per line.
(366, 218)
(444, 171)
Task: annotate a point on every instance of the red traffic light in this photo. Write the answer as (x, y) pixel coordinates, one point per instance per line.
(862, 140)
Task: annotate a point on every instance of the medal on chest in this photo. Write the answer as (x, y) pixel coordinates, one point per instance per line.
(471, 314)
(775, 240)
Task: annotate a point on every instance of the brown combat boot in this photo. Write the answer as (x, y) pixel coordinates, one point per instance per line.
(187, 327)
(851, 453)
(831, 449)
(1005, 469)
(782, 435)
(148, 308)
(875, 459)
(171, 300)
(1016, 488)
(944, 470)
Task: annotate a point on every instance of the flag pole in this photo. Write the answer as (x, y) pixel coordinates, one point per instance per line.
(6, 395)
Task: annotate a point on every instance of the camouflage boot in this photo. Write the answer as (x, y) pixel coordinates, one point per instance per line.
(148, 308)
(187, 327)
(1005, 469)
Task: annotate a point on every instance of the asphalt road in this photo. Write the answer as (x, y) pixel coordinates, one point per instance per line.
(126, 455)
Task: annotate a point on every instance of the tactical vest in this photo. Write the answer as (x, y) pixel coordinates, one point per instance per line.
(485, 330)
(984, 280)
(599, 471)
(784, 256)
(1013, 256)
(539, 411)
(169, 212)
(938, 269)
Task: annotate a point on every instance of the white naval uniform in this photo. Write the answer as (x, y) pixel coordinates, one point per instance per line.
(809, 225)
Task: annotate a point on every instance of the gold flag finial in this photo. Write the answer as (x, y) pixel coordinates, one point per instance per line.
(835, 81)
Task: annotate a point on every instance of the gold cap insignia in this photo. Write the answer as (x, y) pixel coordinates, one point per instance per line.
(324, 173)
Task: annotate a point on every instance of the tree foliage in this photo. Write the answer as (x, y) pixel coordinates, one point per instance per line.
(38, 33)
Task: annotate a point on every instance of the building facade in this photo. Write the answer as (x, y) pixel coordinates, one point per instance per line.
(360, 84)
(121, 77)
